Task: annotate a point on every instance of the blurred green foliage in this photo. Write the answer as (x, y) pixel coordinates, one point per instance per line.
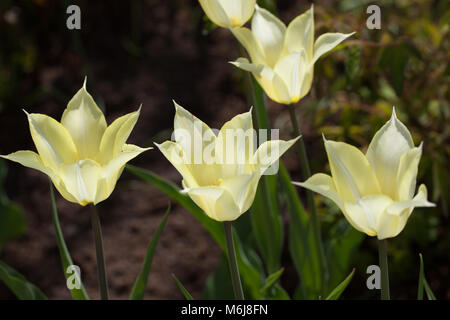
(12, 218)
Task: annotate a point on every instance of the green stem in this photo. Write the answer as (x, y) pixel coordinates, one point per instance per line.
(382, 252)
(306, 172)
(101, 268)
(232, 262)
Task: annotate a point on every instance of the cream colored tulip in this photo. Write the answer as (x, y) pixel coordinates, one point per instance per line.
(282, 58)
(83, 157)
(228, 13)
(375, 191)
(220, 173)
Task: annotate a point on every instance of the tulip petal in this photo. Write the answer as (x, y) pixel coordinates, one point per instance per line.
(216, 202)
(387, 147)
(280, 91)
(111, 172)
(238, 11)
(270, 151)
(324, 185)
(246, 37)
(407, 174)
(366, 212)
(174, 153)
(243, 189)
(192, 134)
(235, 146)
(85, 122)
(420, 200)
(115, 136)
(269, 31)
(300, 34)
(53, 142)
(81, 180)
(327, 42)
(32, 160)
(351, 172)
(29, 159)
(248, 8)
(293, 70)
(215, 12)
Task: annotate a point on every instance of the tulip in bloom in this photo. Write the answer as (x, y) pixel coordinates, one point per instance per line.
(228, 13)
(83, 157)
(224, 178)
(282, 58)
(375, 191)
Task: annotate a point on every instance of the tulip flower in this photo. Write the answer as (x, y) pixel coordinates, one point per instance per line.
(282, 58)
(375, 191)
(83, 157)
(228, 13)
(219, 173)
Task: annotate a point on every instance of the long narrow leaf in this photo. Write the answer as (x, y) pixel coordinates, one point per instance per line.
(138, 291)
(271, 280)
(17, 283)
(66, 259)
(421, 278)
(301, 241)
(423, 283)
(183, 290)
(336, 293)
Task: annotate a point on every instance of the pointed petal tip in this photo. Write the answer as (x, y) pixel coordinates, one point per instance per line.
(300, 184)
(394, 114)
(84, 82)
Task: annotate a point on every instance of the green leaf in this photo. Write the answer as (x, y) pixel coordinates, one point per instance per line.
(272, 290)
(271, 280)
(423, 283)
(267, 227)
(301, 242)
(17, 283)
(66, 259)
(183, 290)
(138, 291)
(421, 278)
(213, 227)
(218, 285)
(344, 242)
(336, 293)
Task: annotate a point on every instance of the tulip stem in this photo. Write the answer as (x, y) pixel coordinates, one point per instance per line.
(306, 172)
(232, 262)
(101, 268)
(382, 252)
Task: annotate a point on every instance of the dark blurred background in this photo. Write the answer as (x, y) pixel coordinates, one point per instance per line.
(153, 51)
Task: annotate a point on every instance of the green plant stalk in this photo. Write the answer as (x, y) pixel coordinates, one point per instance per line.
(382, 252)
(101, 268)
(232, 262)
(306, 172)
